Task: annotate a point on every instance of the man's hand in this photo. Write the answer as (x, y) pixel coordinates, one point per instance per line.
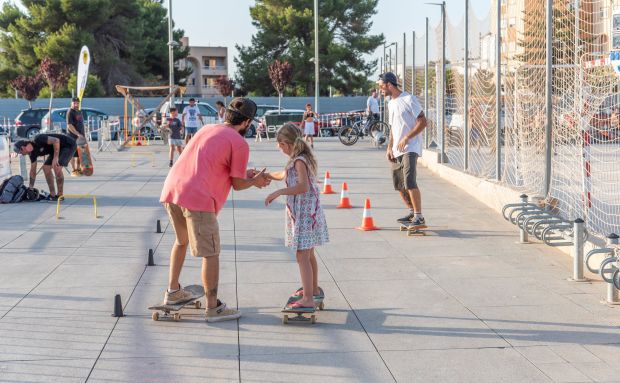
(390, 154)
(55, 163)
(401, 144)
(250, 173)
(261, 179)
(272, 197)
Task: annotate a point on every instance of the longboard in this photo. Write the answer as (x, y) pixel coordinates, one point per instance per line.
(197, 292)
(86, 160)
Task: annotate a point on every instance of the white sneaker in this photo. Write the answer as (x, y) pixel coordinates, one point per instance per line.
(221, 313)
(177, 297)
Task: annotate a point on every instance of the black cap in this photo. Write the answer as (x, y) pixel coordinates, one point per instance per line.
(243, 106)
(389, 77)
(74, 99)
(18, 145)
(192, 99)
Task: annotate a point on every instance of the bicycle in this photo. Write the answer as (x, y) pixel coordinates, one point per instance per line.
(378, 132)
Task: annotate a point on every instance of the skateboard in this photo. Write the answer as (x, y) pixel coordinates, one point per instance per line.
(413, 230)
(85, 159)
(306, 315)
(318, 299)
(197, 292)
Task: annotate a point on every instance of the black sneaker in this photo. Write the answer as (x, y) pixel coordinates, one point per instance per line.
(407, 219)
(418, 223)
(170, 165)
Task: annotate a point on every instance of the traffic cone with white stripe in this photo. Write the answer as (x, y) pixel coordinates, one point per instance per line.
(344, 197)
(367, 222)
(327, 185)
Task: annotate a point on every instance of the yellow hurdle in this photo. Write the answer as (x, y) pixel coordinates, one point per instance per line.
(144, 154)
(94, 197)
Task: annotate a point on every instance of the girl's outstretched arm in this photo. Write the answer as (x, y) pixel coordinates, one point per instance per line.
(277, 176)
(302, 186)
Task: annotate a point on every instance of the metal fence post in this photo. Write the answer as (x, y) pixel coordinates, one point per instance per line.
(523, 236)
(23, 169)
(578, 235)
(498, 93)
(426, 135)
(466, 91)
(612, 291)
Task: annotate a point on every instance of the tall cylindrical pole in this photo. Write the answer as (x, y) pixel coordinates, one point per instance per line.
(443, 82)
(426, 85)
(466, 90)
(384, 61)
(170, 52)
(404, 59)
(498, 93)
(548, 92)
(413, 77)
(316, 55)
(396, 58)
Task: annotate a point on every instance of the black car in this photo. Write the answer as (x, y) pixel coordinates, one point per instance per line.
(28, 122)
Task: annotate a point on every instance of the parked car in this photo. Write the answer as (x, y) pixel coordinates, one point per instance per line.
(209, 113)
(28, 122)
(260, 111)
(58, 122)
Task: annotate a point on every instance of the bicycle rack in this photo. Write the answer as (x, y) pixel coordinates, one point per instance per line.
(608, 270)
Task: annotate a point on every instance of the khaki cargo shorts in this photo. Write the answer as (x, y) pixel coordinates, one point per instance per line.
(199, 228)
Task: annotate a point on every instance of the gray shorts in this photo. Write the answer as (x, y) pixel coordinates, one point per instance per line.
(404, 171)
(176, 142)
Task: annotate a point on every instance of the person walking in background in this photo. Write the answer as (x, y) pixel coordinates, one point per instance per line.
(58, 148)
(75, 130)
(176, 134)
(195, 191)
(221, 111)
(307, 123)
(407, 121)
(372, 106)
(306, 227)
(191, 115)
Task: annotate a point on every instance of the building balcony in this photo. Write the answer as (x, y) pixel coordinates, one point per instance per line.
(218, 70)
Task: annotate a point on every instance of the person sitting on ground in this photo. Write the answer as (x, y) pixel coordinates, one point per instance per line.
(175, 127)
(59, 150)
(75, 130)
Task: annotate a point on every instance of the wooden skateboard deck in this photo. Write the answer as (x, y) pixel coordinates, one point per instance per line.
(197, 292)
(86, 160)
(413, 230)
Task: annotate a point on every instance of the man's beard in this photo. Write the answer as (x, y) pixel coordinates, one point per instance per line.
(242, 132)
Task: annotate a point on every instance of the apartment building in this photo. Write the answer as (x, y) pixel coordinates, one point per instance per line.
(207, 63)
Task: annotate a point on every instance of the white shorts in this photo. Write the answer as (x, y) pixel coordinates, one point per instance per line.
(309, 128)
(176, 142)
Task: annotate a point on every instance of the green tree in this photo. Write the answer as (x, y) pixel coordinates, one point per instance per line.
(127, 39)
(286, 32)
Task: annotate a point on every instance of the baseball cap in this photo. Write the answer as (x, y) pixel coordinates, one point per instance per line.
(243, 106)
(18, 145)
(192, 99)
(389, 77)
(74, 99)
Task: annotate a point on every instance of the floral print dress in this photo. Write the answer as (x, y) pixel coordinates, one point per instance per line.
(305, 221)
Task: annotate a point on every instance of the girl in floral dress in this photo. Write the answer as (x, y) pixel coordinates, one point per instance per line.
(305, 222)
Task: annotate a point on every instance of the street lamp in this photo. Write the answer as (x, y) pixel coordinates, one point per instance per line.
(384, 56)
(171, 45)
(443, 79)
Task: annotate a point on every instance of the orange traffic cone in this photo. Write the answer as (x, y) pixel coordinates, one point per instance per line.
(367, 222)
(327, 185)
(344, 197)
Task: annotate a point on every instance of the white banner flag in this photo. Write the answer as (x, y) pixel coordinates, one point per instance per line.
(82, 75)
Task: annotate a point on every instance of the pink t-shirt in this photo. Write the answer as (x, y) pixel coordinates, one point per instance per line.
(202, 176)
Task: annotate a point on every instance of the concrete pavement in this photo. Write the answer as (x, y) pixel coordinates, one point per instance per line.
(464, 303)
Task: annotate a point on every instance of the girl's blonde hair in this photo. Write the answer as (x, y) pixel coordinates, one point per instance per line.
(290, 134)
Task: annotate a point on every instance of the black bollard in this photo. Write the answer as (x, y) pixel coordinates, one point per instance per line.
(151, 261)
(158, 226)
(118, 306)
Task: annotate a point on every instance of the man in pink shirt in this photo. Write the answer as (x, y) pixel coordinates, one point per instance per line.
(194, 192)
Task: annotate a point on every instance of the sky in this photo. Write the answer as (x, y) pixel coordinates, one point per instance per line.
(227, 23)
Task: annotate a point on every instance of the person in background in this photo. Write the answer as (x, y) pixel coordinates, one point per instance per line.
(175, 127)
(221, 111)
(307, 123)
(191, 115)
(75, 130)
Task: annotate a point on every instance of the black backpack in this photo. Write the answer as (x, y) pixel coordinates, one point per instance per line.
(12, 189)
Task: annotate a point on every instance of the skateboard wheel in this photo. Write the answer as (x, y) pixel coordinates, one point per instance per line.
(197, 304)
(313, 319)
(321, 306)
(285, 319)
(155, 316)
(176, 317)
